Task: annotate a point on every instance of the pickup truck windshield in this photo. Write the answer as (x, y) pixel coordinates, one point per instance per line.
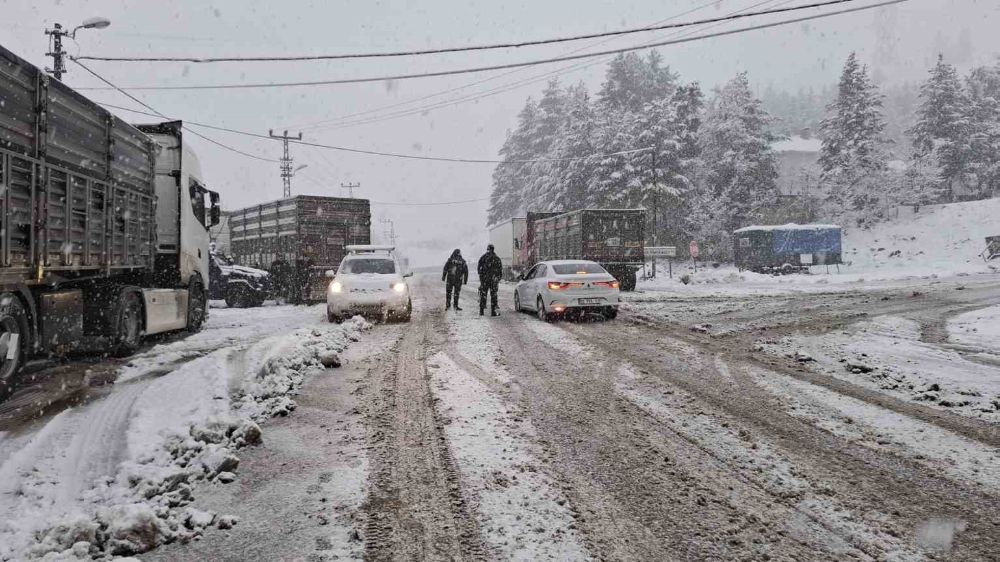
(369, 265)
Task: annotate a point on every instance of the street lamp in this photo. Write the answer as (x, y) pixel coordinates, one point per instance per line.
(57, 53)
(300, 167)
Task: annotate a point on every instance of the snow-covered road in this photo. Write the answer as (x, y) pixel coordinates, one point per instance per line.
(692, 428)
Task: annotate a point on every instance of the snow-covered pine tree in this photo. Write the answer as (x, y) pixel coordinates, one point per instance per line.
(549, 122)
(510, 180)
(983, 87)
(943, 129)
(739, 172)
(853, 155)
(569, 180)
(631, 82)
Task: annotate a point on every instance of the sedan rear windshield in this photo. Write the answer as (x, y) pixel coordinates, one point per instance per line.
(380, 266)
(571, 268)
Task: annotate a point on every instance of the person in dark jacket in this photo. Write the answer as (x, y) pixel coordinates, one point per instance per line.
(490, 271)
(301, 280)
(455, 274)
(279, 273)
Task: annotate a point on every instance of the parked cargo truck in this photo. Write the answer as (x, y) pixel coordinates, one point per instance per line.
(105, 225)
(308, 232)
(613, 238)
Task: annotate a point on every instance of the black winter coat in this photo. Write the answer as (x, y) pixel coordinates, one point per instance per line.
(490, 268)
(455, 272)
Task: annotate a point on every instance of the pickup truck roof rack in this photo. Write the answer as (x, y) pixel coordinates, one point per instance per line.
(368, 248)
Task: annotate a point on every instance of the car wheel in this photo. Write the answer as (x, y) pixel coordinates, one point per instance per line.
(517, 302)
(13, 342)
(409, 311)
(129, 332)
(331, 317)
(540, 309)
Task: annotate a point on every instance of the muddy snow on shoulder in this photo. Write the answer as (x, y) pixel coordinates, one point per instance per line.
(116, 477)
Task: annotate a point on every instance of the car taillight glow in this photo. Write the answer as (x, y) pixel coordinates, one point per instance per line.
(558, 286)
(608, 284)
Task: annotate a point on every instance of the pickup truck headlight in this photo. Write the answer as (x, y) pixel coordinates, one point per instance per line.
(336, 287)
(399, 287)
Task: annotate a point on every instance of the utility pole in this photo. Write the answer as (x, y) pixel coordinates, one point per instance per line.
(656, 210)
(286, 160)
(57, 53)
(390, 230)
(56, 47)
(350, 188)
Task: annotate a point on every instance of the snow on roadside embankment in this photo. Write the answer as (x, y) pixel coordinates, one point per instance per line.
(887, 354)
(977, 332)
(116, 477)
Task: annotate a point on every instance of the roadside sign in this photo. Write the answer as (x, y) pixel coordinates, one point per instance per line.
(693, 249)
(661, 251)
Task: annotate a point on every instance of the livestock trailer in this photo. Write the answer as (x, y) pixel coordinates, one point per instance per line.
(613, 238)
(786, 248)
(304, 231)
(103, 225)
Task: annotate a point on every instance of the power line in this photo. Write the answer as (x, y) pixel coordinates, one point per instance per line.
(443, 50)
(162, 116)
(317, 124)
(472, 70)
(393, 154)
(404, 204)
(344, 123)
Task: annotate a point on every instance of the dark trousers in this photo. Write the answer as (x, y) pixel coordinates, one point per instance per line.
(452, 291)
(491, 288)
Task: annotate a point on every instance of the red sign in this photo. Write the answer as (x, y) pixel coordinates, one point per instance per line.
(693, 249)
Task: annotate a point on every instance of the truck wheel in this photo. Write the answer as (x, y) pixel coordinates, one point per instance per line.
(628, 281)
(197, 305)
(517, 302)
(13, 342)
(129, 331)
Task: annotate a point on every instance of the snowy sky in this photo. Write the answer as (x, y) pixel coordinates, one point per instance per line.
(898, 42)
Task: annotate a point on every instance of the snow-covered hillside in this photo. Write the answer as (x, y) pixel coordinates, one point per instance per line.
(937, 240)
(940, 238)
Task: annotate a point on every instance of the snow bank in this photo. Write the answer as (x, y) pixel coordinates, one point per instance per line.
(886, 354)
(177, 429)
(977, 331)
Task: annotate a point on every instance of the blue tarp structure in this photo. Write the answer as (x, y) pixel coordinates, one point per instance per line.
(806, 241)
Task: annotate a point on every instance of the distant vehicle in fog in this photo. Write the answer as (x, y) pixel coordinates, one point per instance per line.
(558, 288)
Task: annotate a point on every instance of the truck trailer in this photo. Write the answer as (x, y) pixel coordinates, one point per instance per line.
(507, 238)
(105, 225)
(613, 238)
(307, 232)
(786, 248)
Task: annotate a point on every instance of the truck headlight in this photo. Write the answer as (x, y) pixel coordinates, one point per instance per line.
(399, 287)
(336, 287)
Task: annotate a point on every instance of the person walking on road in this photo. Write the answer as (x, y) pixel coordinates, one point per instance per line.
(455, 274)
(490, 271)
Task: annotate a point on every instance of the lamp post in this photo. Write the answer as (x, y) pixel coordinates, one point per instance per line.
(57, 33)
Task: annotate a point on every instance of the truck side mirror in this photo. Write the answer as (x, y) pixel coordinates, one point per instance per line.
(330, 274)
(408, 274)
(215, 214)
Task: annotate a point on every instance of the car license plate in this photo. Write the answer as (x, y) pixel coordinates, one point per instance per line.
(591, 301)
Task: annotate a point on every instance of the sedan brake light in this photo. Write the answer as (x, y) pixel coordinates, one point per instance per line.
(608, 284)
(558, 285)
